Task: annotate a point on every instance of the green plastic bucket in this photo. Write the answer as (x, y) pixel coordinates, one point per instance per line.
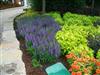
(57, 69)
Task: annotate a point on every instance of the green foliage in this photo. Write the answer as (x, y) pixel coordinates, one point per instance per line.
(30, 48)
(75, 19)
(46, 58)
(35, 63)
(56, 16)
(73, 38)
(39, 56)
(98, 54)
(75, 30)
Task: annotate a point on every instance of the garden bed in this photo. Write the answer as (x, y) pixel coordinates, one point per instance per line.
(71, 39)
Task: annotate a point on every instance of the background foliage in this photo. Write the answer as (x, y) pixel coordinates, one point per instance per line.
(60, 5)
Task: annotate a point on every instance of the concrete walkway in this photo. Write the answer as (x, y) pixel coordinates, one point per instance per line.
(10, 54)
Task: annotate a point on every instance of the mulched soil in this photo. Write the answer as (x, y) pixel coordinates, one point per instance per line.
(6, 6)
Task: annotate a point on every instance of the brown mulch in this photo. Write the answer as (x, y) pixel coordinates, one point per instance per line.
(6, 6)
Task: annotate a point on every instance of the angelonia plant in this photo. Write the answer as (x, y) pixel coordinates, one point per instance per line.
(39, 33)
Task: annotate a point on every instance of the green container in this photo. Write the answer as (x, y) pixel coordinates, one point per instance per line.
(57, 69)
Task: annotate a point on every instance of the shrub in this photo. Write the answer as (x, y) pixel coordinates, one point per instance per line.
(73, 38)
(75, 19)
(75, 30)
(39, 33)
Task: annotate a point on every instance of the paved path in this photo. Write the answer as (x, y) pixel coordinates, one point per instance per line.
(10, 54)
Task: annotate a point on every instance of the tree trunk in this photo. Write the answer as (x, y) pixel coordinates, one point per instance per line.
(92, 4)
(43, 6)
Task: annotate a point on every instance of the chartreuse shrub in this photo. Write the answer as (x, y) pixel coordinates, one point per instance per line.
(75, 31)
(75, 19)
(73, 38)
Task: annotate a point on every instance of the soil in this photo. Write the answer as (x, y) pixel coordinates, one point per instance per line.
(6, 6)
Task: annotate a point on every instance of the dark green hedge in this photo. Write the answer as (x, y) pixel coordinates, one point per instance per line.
(59, 5)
